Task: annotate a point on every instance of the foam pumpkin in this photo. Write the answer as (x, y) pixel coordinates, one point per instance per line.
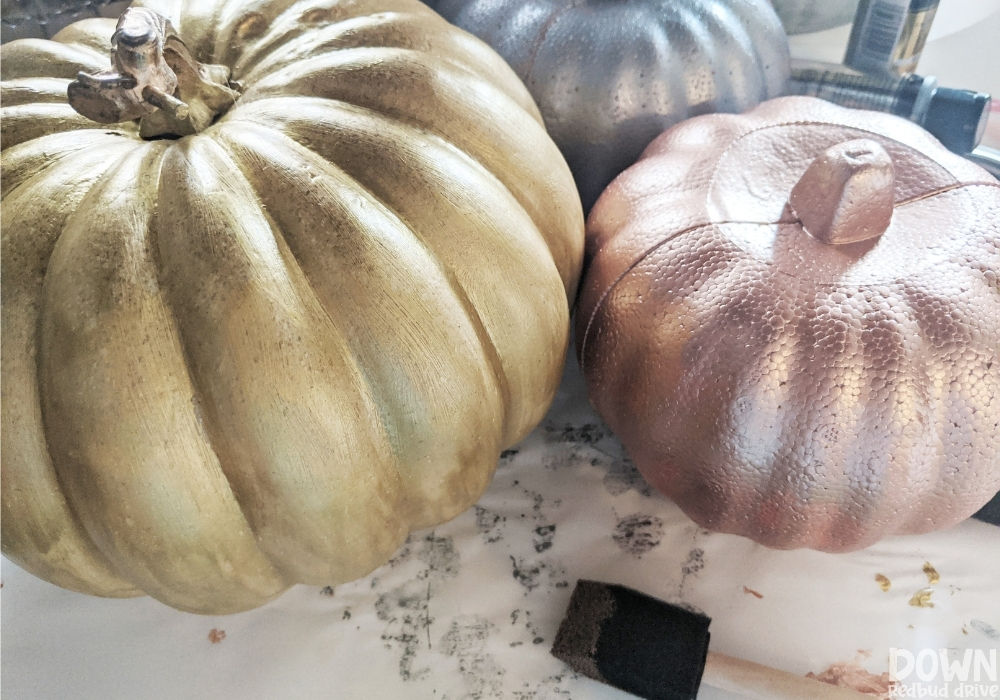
(280, 281)
(792, 320)
(609, 77)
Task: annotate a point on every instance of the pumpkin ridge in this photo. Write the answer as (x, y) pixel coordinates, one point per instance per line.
(251, 140)
(333, 77)
(160, 510)
(52, 152)
(51, 503)
(38, 58)
(281, 387)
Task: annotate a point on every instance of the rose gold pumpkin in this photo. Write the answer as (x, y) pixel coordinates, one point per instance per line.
(798, 392)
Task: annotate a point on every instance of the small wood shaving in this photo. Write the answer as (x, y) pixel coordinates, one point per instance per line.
(216, 636)
(851, 675)
(752, 592)
(922, 598)
(883, 581)
(932, 575)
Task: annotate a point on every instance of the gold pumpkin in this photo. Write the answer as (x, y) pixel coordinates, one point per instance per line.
(263, 344)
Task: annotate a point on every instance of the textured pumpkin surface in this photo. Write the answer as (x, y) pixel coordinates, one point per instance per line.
(263, 354)
(798, 393)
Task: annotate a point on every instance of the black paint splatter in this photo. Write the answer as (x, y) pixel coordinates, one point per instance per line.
(406, 608)
(532, 574)
(326, 591)
(543, 537)
(489, 524)
(623, 476)
(466, 639)
(695, 562)
(589, 433)
(637, 534)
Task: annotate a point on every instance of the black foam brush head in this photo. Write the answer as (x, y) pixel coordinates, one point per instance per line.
(633, 641)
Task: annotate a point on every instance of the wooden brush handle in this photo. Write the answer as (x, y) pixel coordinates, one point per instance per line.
(765, 683)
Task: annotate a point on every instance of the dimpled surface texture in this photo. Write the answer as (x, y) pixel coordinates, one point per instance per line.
(262, 354)
(797, 393)
(609, 77)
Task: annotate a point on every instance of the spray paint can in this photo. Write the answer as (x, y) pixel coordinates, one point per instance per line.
(889, 35)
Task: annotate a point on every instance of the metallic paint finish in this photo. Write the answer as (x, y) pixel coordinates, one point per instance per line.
(608, 76)
(777, 387)
(264, 353)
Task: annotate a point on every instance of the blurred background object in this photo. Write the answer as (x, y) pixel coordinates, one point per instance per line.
(807, 16)
(41, 19)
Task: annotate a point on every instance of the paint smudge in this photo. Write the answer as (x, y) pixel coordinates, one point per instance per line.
(755, 594)
(532, 574)
(216, 636)
(623, 476)
(851, 675)
(489, 524)
(326, 591)
(638, 533)
(922, 598)
(466, 640)
(406, 608)
(986, 629)
(534, 635)
(543, 537)
(589, 433)
(695, 562)
(883, 582)
(932, 575)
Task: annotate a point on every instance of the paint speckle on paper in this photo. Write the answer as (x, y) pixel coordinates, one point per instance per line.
(326, 591)
(406, 609)
(755, 594)
(215, 635)
(638, 533)
(534, 573)
(466, 639)
(489, 524)
(985, 628)
(588, 433)
(623, 476)
(932, 575)
(851, 675)
(883, 582)
(695, 562)
(922, 598)
(543, 537)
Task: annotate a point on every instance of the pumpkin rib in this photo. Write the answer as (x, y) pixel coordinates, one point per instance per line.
(279, 386)
(37, 58)
(40, 530)
(363, 137)
(26, 122)
(403, 357)
(430, 95)
(29, 159)
(286, 32)
(33, 90)
(159, 509)
(421, 32)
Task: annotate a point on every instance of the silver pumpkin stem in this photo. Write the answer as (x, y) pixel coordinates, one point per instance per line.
(846, 194)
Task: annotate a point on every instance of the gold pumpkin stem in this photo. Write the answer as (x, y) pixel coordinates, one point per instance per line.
(847, 193)
(155, 79)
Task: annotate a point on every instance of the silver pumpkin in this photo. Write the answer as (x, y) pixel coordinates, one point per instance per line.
(610, 75)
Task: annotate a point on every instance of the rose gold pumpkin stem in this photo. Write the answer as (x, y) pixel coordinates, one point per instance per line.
(846, 194)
